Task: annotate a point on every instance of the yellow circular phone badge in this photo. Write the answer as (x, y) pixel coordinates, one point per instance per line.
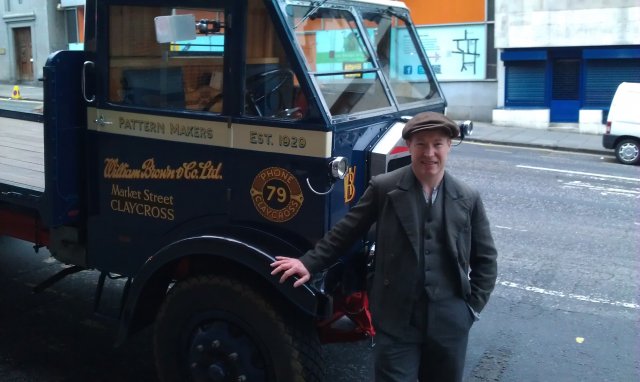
(276, 194)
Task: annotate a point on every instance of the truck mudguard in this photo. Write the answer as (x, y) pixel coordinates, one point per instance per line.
(248, 256)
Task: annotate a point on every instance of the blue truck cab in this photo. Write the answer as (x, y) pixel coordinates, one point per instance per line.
(193, 141)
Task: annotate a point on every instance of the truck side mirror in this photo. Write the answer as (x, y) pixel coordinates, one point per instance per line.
(466, 128)
(207, 27)
(175, 28)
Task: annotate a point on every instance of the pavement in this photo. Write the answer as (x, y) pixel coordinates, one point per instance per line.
(563, 138)
(33, 93)
(553, 138)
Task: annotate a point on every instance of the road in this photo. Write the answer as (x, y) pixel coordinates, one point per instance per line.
(567, 228)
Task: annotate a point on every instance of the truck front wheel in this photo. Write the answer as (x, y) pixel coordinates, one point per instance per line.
(213, 328)
(628, 151)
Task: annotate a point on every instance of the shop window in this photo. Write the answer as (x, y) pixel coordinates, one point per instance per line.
(603, 77)
(525, 83)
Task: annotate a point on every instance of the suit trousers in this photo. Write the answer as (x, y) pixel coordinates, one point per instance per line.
(436, 354)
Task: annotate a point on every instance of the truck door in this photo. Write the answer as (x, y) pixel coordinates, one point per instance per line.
(189, 132)
(157, 134)
(283, 144)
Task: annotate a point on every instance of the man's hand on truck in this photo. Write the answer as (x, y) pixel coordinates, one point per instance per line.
(290, 267)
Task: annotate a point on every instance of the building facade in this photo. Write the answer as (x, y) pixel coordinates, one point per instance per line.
(561, 61)
(30, 30)
(458, 38)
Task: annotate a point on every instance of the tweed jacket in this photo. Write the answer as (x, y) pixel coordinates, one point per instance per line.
(391, 202)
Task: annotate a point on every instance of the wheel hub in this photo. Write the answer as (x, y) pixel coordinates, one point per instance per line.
(629, 152)
(222, 352)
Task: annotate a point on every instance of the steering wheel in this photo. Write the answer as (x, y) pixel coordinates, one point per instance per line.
(261, 86)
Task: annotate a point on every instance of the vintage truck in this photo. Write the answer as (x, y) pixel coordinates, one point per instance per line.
(192, 141)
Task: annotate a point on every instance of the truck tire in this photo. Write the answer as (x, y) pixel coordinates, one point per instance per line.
(216, 328)
(628, 151)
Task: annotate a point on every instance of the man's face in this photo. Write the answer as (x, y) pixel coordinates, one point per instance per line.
(429, 151)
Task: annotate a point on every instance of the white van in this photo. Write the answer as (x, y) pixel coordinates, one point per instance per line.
(623, 124)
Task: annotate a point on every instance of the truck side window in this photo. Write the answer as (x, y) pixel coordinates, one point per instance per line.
(272, 89)
(177, 75)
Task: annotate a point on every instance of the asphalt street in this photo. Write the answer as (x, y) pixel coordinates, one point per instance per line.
(568, 233)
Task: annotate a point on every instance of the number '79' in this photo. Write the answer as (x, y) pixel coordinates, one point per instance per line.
(281, 193)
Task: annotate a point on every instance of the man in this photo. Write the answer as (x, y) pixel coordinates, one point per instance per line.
(435, 260)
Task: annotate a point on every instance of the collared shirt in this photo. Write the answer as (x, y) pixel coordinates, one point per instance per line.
(434, 194)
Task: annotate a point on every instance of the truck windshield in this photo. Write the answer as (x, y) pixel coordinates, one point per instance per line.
(402, 62)
(362, 60)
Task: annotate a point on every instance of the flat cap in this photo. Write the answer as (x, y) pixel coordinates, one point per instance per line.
(430, 120)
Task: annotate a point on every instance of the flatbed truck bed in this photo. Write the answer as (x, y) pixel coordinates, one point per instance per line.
(22, 179)
(21, 156)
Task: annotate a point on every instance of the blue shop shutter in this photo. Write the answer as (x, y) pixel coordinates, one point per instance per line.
(525, 83)
(603, 78)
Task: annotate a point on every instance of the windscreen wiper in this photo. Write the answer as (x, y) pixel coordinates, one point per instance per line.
(310, 13)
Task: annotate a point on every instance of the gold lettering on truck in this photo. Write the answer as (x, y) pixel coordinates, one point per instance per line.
(276, 194)
(144, 203)
(350, 185)
(194, 170)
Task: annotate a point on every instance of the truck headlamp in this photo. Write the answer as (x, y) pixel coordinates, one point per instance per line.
(339, 166)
